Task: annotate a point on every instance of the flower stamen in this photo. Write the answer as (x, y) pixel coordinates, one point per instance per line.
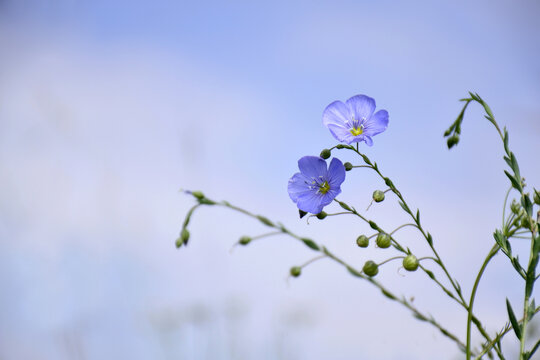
(324, 187)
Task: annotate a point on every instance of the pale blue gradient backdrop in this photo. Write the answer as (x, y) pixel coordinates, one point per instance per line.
(108, 108)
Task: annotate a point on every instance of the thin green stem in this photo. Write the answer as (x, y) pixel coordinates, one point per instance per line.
(504, 206)
(390, 259)
(439, 261)
(529, 282)
(507, 327)
(313, 260)
(490, 255)
(419, 315)
(402, 226)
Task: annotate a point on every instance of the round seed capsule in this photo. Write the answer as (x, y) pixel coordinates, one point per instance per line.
(370, 268)
(410, 263)
(383, 240)
(362, 241)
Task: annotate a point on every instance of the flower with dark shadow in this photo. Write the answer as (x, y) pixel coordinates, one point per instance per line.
(355, 120)
(315, 186)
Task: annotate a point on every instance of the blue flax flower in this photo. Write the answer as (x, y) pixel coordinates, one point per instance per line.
(315, 186)
(355, 120)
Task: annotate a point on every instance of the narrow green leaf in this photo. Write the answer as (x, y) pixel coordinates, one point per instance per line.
(404, 206)
(389, 182)
(366, 159)
(430, 274)
(530, 312)
(429, 239)
(505, 140)
(344, 206)
(515, 184)
(265, 221)
(513, 321)
(388, 295)
(508, 161)
(418, 216)
(310, 243)
(373, 225)
(527, 204)
(533, 350)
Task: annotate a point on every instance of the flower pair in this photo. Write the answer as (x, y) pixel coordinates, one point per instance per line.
(316, 185)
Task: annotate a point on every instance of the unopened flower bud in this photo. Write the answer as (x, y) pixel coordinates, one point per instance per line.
(525, 222)
(183, 239)
(378, 195)
(296, 271)
(410, 263)
(362, 241)
(536, 197)
(198, 194)
(326, 153)
(515, 206)
(383, 240)
(244, 240)
(340, 146)
(321, 215)
(370, 268)
(348, 166)
(179, 242)
(452, 140)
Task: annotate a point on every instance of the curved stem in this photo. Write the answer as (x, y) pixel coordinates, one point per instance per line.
(312, 260)
(353, 271)
(490, 255)
(402, 226)
(390, 259)
(439, 261)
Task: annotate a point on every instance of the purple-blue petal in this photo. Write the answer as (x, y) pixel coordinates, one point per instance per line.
(368, 140)
(312, 166)
(312, 202)
(341, 133)
(361, 106)
(377, 123)
(298, 186)
(336, 113)
(336, 173)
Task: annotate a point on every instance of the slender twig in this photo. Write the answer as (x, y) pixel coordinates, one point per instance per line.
(419, 315)
(490, 255)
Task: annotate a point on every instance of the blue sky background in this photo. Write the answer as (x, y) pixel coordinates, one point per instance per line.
(108, 108)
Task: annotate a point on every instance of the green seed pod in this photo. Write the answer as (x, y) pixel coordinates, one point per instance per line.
(321, 215)
(515, 207)
(452, 140)
(370, 268)
(348, 166)
(244, 240)
(410, 263)
(326, 153)
(198, 194)
(296, 271)
(378, 196)
(383, 240)
(362, 241)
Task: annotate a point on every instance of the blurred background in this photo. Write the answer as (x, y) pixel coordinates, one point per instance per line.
(109, 108)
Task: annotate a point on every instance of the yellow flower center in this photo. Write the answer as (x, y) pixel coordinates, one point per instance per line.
(357, 130)
(324, 187)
